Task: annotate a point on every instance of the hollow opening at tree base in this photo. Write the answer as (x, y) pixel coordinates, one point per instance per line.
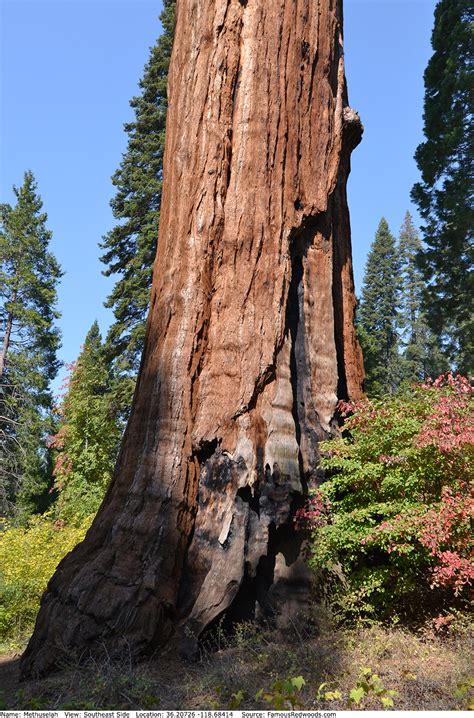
(281, 592)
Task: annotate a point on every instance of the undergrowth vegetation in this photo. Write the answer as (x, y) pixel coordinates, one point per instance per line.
(369, 667)
(28, 557)
(396, 511)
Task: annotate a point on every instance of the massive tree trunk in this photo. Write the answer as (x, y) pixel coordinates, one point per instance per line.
(250, 339)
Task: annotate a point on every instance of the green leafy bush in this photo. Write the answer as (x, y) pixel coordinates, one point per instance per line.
(283, 694)
(28, 558)
(368, 684)
(395, 512)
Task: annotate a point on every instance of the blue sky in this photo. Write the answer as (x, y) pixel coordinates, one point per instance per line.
(69, 68)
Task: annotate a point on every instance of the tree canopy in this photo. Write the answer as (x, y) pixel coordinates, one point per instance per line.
(444, 194)
(129, 248)
(379, 313)
(421, 354)
(29, 275)
(87, 441)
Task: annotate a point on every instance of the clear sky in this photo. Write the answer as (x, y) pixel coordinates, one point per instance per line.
(69, 68)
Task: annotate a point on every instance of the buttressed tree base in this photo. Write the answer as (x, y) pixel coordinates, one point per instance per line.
(250, 340)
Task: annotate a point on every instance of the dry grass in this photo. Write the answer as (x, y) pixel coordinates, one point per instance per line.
(428, 670)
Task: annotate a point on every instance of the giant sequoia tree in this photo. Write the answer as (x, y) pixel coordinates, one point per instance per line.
(249, 343)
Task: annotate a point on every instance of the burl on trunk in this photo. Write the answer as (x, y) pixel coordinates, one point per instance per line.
(250, 339)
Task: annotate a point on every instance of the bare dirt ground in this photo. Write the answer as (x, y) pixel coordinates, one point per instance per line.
(426, 670)
(9, 667)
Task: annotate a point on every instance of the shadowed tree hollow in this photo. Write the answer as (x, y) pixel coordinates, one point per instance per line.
(250, 340)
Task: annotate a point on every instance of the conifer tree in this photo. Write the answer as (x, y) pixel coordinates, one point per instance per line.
(378, 314)
(87, 441)
(129, 248)
(421, 354)
(444, 195)
(29, 275)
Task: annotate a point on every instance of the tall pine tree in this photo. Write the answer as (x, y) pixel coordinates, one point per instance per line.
(421, 354)
(86, 444)
(378, 314)
(444, 195)
(129, 248)
(29, 275)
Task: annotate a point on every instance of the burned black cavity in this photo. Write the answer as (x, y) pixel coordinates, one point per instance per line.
(304, 414)
(206, 450)
(252, 499)
(259, 599)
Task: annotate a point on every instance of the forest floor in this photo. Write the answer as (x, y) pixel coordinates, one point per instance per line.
(428, 670)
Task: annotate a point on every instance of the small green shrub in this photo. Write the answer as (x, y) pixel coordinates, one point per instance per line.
(368, 684)
(28, 558)
(283, 694)
(465, 694)
(236, 699)
(225, 698)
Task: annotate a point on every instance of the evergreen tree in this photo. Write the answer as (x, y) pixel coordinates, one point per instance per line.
(87, 441)
(130, 247)
(444, 195)
(378, 314)
(29, 275)
(421, 355)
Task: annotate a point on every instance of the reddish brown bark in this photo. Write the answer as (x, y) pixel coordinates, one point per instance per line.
(250, 338)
